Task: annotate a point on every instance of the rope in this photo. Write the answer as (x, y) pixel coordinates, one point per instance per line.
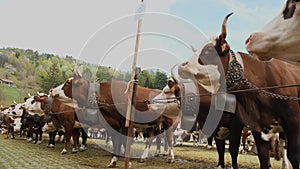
(128, 84)
(62, 112)
(174, 99)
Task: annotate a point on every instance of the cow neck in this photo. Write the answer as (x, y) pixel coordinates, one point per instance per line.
(235, 73)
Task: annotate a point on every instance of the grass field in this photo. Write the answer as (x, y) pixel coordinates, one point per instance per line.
(10, 94)
(18, 153)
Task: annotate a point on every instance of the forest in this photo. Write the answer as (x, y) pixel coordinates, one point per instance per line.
(31, 71)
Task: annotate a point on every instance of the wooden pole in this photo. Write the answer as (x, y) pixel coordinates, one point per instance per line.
(132, 87)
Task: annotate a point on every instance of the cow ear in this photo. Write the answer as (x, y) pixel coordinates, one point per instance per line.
(37, 98)
(222, 47)
(171, 83)
(25, 98)
(44, 98)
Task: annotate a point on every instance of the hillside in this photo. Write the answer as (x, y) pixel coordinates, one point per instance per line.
(10, 94)
(31, 71)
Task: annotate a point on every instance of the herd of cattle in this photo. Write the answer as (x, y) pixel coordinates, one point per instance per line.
(240, 81)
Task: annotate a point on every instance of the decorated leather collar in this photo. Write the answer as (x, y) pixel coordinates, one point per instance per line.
(234, 74)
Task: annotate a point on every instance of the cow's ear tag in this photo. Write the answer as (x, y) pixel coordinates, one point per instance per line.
(223, 47)
(172, 89)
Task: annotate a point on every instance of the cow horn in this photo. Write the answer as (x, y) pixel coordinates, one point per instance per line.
(193, 49)
(15, 102)
(172, 74)
(29, 95)
(224, 30)
(77, 72)
(40, 94)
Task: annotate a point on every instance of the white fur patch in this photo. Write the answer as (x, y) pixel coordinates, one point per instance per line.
(207, 76)
(58, 92)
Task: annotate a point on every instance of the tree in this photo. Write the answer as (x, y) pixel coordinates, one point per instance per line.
(103, 74)
(145, 79)
(3, 59)
(53, 77)
(160, 80)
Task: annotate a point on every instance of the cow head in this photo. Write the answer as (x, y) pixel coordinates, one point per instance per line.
(76, 88)
(17, 110)
(6, 110)
(279, 38)
(59, 92)
(168, 101)
(35, 104)
(207, 66)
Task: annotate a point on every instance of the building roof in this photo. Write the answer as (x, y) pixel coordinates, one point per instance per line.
(6, 80)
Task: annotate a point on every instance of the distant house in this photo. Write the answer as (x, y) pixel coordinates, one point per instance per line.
(6, 82)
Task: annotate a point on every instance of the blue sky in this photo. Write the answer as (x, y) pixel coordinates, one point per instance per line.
(88, 29)
(249, 16)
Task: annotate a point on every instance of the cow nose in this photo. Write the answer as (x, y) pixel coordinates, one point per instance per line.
(248, 40)
(185, 63)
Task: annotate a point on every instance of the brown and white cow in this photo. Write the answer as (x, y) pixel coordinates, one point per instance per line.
(61, 115)
(112, 103)
(279, 38)
(257, 109)
(12, 119)
(213, 122)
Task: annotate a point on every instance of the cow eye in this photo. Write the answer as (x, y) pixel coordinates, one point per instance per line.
(32, 101)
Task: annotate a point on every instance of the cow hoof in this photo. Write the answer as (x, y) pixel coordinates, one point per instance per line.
(50, 146)
(112, 165)
(64, 151)
(82, 148)
(74, 150)
(142, 160)
(220, 167)
(39, 142)
(171, 160)
(208, 147)
(29, 139)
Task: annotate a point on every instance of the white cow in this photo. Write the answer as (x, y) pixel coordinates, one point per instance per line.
(279, 38)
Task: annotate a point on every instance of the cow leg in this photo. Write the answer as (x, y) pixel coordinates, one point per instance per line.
(158, 145)
(293, 149)
(145, 154)
(169, 141)
(75, 136)
(262, 149)
(234, 140)
(84, 139)
(51, 142)
(40, 135)
(209, 142)
(12, 132)
(29, 132)
(221, 151)
(117, 142)
(8, 130)
(244, 140)
(68, 134)
(285, 162)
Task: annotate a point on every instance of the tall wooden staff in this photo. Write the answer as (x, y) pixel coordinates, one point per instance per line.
(130, 112)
